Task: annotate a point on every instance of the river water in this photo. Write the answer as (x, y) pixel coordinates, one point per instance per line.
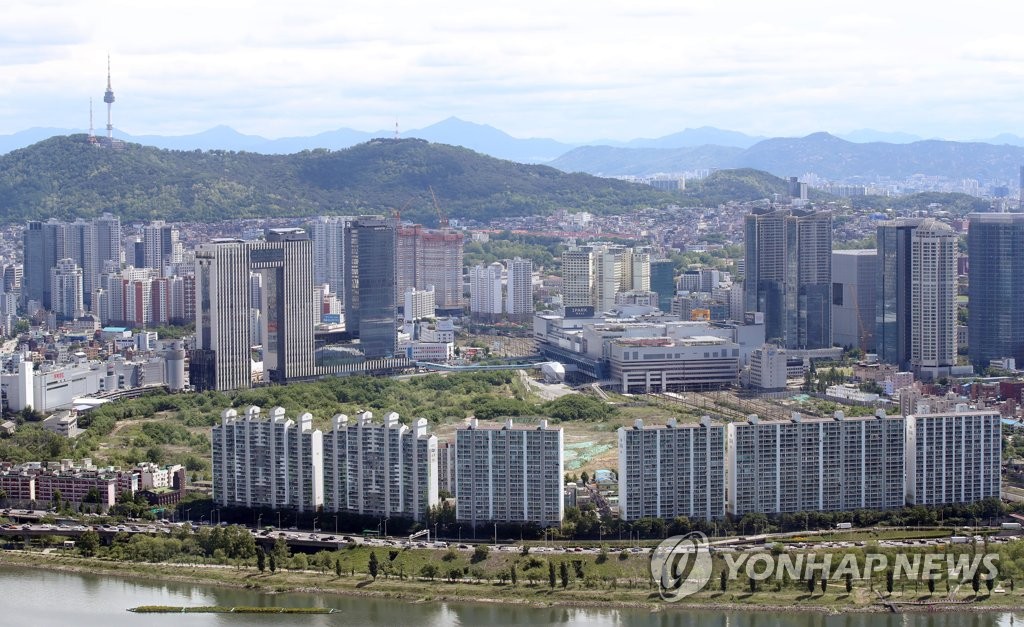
(40, 598)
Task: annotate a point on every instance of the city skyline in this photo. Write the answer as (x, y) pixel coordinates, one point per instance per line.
(559, 71)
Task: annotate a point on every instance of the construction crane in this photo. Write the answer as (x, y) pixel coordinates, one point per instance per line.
(442, 219)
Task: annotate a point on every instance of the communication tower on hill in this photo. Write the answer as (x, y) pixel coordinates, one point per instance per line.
(108, 97)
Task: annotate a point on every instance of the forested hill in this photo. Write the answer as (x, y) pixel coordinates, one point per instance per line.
(66, 177)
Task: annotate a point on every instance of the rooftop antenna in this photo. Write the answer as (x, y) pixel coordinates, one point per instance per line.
(108, 97)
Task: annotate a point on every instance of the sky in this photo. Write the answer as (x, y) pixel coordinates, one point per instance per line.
(571, 70)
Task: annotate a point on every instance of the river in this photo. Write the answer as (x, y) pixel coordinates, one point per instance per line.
(42, 598)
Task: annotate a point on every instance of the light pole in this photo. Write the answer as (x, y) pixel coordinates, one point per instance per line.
(386, 527)
(188, 515)
(435, 532)
(259, 519)
(315, 518)
(279, 519)
(460, 534)
(335, 524)
(495, 533)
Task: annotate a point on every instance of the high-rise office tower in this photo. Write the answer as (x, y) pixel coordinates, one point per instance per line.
(933, 291)
(485, 291)
(788, 265)
(610, 264)
(519, 297)
(370, 305)
(160, 245)
(995, 327)
(892, 291)
(578, 277)
(285, 262)
(329, 252)
(663, 282)
(66, 282)
(221, 360)
(37, 242)
(853, 298)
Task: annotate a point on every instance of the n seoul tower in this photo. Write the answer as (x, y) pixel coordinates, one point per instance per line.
(108, 97)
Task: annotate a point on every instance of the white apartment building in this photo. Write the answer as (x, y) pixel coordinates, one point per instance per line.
(519, 298)
(328, 234)
(384, 470)
(273, 463)
(672, 470)
(485, 291)
(66, 283)
(419, 304)
(953, 457)
(509, 474)
(839, 464)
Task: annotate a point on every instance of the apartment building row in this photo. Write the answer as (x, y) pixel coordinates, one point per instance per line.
(500, 473)
(842, 463)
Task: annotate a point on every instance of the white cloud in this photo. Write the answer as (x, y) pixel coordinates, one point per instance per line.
(573, 70)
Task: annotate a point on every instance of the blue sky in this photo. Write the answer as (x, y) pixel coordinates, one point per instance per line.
(571, 70)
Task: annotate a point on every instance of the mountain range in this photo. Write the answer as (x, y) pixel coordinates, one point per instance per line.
(861, 153)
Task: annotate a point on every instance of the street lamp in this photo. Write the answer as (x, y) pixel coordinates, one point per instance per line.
(315, 518)
(435, 532)
(188, 514)
(279, 519)
(335, 524)
(259, 519)
(495, 533)
(386, 527)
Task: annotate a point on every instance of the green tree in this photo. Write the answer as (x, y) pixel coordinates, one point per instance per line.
(753, 585)
(89, 542)
(810, 584)
(889, 580)
(373, 565)
(273, 563)
(931, 585)
(428, 571)
(337, 568)
(563, 571)
(551, 575)
(824, 583)
(849, 583)
(513, 574)
(261, 559)
(723, 580)
(976, 581)
(480, 553)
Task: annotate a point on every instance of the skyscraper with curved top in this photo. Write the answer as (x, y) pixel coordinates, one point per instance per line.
(933, 248)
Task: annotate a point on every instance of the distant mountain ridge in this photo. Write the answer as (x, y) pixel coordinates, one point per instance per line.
(826, 155)
(860, 153)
